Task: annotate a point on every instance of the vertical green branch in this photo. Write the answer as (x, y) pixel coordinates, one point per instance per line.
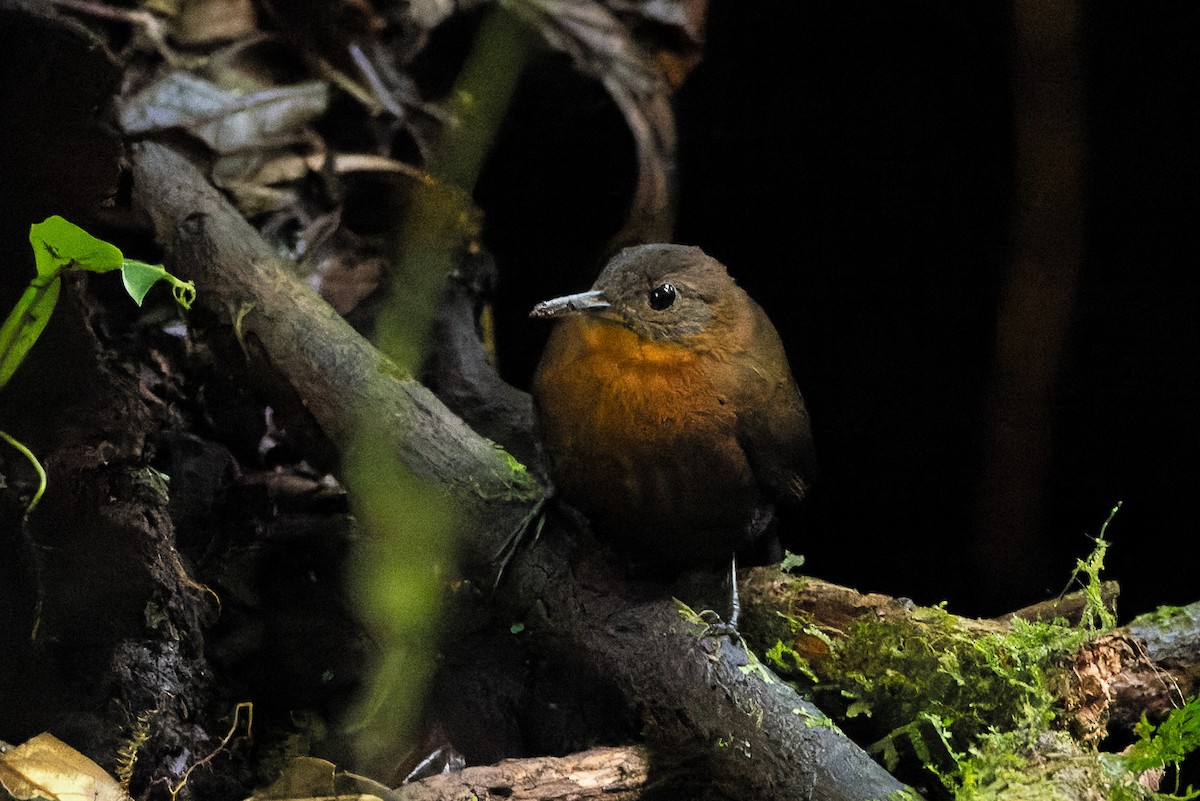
(398, 571)
(481, 97)
(442, 220)
(411, 524)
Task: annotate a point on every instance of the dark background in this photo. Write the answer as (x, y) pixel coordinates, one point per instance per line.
(852, 164)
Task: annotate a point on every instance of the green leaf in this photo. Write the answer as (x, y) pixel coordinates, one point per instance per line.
(25, 323)
(59, 245)
(139, 277)
(791, 561)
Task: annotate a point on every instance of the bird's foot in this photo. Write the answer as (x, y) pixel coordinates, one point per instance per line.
(518, 535)
(716, 627)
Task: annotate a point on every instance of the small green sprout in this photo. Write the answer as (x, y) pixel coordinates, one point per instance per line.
(59, 247)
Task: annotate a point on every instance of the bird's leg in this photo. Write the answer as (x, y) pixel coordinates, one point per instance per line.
(735, 608)
(716, 627)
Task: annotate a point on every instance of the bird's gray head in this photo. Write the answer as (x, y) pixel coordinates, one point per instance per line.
(660, 291)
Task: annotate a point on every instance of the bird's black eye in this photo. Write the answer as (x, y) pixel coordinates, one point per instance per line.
(662, 296)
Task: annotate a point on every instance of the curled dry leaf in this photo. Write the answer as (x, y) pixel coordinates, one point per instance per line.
(603, 46)
(681, 53)
(245, 129)
(44, 767)
(225, 120)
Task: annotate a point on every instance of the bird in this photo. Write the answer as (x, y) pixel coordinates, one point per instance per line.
(668, 412)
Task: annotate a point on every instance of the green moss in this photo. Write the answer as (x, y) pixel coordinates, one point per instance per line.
(690, 615)
(1096, 615)
(974, 709)
(1167, 618)
(904, 794)
(904, 674)
(1030, 761)
(514, 465)
(819, 721)
(1029, 766)
(788, 662)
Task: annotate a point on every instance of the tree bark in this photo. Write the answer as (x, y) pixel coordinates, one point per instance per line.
(610, 774)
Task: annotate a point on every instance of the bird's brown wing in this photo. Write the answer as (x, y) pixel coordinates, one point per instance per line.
(778, 443)
(775, 433)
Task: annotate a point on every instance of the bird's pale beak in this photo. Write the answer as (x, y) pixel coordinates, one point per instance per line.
(567, 304)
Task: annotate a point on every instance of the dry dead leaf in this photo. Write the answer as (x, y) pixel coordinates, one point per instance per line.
(245, 129)
(347, 280)
(312, 778)
(202, 22)
(46, 767)
(681, 53)
(225, 120)
(688, 17)
(603, 46)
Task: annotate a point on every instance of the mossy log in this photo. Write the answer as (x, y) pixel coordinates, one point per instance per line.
(1107, 683)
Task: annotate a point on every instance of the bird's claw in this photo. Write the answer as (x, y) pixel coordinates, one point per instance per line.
(508, 549)
(716, 627)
